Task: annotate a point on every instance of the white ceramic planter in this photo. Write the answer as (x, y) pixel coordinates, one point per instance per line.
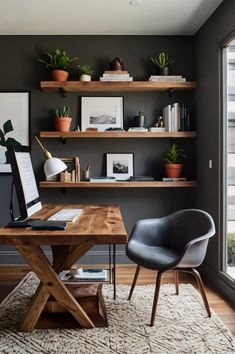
(85, 77)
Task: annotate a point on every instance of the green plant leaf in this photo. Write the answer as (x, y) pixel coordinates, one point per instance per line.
(7, 127)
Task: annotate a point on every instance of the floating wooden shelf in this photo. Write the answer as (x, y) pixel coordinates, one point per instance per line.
(154, 184)
(100, 86)
(116, 134)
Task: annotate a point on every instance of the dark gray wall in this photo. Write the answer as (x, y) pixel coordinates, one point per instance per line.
(209, 142)
(20, 71)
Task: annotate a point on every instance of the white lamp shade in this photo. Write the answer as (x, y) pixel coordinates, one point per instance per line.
(53, 166)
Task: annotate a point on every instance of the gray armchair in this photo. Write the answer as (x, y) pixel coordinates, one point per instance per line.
(175, 242)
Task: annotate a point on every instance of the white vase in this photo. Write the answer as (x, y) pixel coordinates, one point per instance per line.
(85, 77)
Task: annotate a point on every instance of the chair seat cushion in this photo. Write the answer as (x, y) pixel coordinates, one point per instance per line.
(152, 257)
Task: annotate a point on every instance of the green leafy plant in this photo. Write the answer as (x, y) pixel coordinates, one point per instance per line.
(85, 69)
(141, 113)
(58, 60)
(174, 155)
(231, 248)
(62, 111)
(162, 60)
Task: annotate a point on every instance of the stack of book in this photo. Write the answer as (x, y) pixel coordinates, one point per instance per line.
(102, 179)
(137, 129)
(87, 275)
(167, 78)
(176, 118)
(116, 75)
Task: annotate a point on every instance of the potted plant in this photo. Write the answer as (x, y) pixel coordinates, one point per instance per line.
(85, 72)
(163, 62)
(62, 120)
(58, 62)
(173, 158)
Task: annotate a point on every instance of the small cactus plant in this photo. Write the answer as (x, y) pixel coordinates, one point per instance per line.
(62, 112)
(162, 60)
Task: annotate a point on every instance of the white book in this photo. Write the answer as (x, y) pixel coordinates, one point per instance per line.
(84, 276)
(116, 75)
(137, 129)
(165, 76)
(175, 117)
(157, 129)
(167, 80)
(166, 179)
(167, 118)
(116, 79)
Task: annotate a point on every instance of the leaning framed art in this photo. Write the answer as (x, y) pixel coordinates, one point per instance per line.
(101, 113)
(14, 123)
(120, 165)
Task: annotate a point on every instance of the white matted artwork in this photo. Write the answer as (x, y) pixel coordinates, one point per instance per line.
(14, 123)
(101, 113)
(120, 165)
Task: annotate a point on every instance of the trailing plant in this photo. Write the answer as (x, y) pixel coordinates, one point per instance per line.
(174, 155)
(58, 60)
(85, 69)
(62, 112)
(162, 60)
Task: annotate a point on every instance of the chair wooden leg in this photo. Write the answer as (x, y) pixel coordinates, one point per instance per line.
(156, 295)
(134, 281)
(177, 282)
(202, 290)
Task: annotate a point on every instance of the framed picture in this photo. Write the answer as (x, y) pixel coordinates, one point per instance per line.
(120, 165)
(101, 113)
(14, 123)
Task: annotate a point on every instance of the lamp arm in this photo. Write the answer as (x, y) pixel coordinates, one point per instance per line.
(46, 152)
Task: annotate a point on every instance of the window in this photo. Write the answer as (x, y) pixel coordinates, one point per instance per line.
(229, 159)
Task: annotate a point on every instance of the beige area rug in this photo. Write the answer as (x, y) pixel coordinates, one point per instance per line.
(181, 325)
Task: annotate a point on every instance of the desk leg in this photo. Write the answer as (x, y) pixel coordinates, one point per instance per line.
(61, 256)
(114, 271)
(40, 264)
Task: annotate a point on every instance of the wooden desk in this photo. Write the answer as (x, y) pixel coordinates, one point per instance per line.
(98, 224)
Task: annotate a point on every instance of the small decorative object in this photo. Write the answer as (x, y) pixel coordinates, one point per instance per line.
(117, 64)
(173, 158)
(120, 166)
(85, 72)
(62, 120)
(140, 120)
(159, 122)
(72, 173)
(101, 113)
(58, 62)
(163, 62)
(86, 173)
(14, 124)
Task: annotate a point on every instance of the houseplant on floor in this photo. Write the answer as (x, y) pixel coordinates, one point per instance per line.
(85, 71)
(58, 63)
(163, 63)
(173, 158)
(62, 121)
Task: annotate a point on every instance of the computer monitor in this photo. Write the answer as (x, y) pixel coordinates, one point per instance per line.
(24, 180)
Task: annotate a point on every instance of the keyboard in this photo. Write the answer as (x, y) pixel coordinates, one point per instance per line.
(66, 214)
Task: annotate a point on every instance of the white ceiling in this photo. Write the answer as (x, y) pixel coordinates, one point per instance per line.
(108, 17)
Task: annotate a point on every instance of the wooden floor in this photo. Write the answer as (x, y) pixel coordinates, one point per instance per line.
(11, 275)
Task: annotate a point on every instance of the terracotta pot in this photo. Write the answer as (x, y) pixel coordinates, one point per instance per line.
(62, 124)
(173, 170)
(59, 75)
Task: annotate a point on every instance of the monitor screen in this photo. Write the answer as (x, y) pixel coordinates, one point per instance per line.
(24, 180)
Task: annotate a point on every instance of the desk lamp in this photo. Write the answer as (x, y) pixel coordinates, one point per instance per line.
(52, 165)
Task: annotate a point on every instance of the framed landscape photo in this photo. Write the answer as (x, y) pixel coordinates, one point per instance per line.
(14, 123)
(101, 113)
(120, 165)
